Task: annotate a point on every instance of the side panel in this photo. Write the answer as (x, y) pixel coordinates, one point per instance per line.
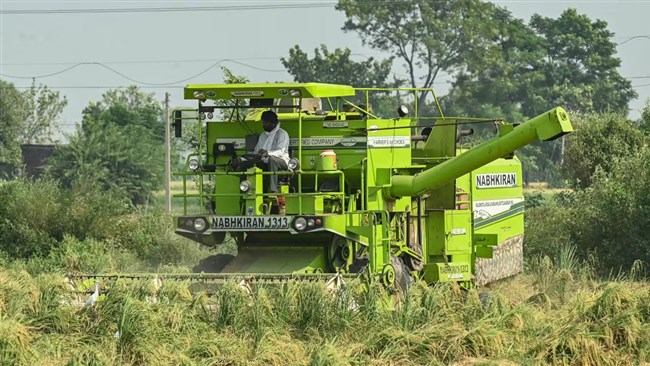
(498, 212)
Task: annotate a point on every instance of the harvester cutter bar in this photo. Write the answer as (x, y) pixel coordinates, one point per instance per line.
(216, 277)
(107, 280)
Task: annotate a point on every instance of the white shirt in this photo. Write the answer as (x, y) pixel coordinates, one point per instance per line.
(275, 142)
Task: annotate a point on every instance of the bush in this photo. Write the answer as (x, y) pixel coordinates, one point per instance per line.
(35, 216)
(600, 141)
(85, 230)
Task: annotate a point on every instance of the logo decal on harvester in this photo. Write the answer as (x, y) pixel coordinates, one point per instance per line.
(247, 93)
(328, 142)
(309, 142)
(486, 212)
(335, 124)
(389, 141)
(496, 180)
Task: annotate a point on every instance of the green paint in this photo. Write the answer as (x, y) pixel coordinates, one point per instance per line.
(370, 198)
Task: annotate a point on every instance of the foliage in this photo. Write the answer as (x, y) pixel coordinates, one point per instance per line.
(431, 36)
(527, 69)
(600, 141)
(606, 216)
(119, 146)
(613, 214)
(85, 229)
(11, 123)
(25, 118)
(644, 121)
(41, 107)
(35, 216)
(580, 67)
(569, 61)
(336, 68)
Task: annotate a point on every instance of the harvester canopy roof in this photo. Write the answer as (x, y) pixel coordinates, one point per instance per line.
(267, 90)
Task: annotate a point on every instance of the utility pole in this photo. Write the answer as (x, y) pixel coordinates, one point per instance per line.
(168, 200)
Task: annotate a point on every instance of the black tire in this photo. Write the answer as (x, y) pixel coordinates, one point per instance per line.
(403, 278)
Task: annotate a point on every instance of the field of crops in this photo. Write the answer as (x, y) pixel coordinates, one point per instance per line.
(555, 314)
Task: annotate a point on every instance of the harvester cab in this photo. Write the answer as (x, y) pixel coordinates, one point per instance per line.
(392, 198)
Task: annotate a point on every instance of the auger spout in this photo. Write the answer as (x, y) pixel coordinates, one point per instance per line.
(547, 126)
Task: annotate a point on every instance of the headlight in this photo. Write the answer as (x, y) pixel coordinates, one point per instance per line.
(245, 186)
(310, 222)
(293, 163)
(300, 224)
(194, 164)
(199, 224)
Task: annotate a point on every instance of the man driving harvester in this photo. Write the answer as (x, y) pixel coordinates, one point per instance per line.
(271, 153)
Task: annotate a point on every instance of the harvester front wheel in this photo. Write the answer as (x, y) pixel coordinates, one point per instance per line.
(340, 254)
(414, 264)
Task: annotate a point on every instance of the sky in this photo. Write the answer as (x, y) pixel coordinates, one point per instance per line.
(82, 55)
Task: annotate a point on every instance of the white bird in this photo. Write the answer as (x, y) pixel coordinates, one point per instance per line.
(156, 285)
(93, 298)
(335, 282)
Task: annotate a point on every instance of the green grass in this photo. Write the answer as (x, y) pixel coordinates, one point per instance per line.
(556, 314)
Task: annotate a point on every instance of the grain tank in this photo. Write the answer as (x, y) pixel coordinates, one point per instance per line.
(394, 198)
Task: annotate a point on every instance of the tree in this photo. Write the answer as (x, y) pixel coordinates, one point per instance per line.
(434, 36)
(336, 68)
(25, 118)
(569, 61)
(644, 122)
(119, 146)
(496, 81)
(580, 67)
(41, 107)
(11, 122)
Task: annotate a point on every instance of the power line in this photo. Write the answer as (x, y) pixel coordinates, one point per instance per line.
(172, 9)
(634, 37)
(96, 87)
(135, 80)
(364, 55)
(133, 61)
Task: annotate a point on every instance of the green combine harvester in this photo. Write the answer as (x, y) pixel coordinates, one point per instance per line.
(395, 198)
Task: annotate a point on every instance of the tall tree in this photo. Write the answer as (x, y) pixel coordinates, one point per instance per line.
(11, 123)
(527, 69)
(25, 117)
(569, 61)
(496, 81)
(119, 145)
(433, 36)
(336, 68)
(580, 67)
(42, 107)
